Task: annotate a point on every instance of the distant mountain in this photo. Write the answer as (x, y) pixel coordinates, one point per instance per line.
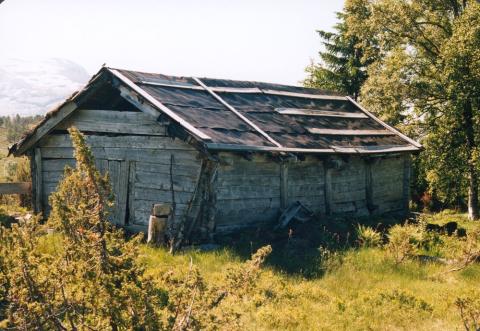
(35, 87)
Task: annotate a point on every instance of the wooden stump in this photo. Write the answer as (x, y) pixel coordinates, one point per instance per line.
(156, 230)
(157, 223)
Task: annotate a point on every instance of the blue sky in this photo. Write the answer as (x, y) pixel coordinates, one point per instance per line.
(263, 40)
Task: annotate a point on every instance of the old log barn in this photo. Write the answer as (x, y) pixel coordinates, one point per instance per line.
(225, 154)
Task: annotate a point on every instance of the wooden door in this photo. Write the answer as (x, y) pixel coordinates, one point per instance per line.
(118, 172)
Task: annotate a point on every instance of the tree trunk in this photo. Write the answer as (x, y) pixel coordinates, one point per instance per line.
(473, 194)
(473, 212)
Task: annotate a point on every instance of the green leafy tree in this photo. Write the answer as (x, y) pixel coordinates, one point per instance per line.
(425, 81)
(345, 57)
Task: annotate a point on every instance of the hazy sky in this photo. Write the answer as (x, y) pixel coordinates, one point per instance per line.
(266, 40)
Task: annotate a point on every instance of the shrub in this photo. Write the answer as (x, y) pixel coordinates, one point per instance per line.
(93, 282)
(403, 241)
(469, 308)
(368, 237)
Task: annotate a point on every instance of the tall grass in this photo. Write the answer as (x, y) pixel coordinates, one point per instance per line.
(365, 289)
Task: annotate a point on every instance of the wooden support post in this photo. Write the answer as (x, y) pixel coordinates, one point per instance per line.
(283, 185)
(406, 182)
(328, 189)
(369, 185)
(37, 159)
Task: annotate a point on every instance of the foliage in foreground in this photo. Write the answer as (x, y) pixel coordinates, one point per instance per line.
(354, 288)
(86, 276)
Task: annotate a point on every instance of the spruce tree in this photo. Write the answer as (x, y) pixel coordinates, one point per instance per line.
(345, 57)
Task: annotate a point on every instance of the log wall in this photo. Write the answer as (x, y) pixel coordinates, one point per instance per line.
(250, 192)
(138, 155)
(147, 167)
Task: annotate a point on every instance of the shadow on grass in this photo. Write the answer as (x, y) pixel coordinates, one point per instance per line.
(304, 249)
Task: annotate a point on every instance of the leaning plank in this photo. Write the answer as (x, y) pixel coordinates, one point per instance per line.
(15, 188)
(318, 112)
(337, 132)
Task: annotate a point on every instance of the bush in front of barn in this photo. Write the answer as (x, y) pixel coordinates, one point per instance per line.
(85, 275)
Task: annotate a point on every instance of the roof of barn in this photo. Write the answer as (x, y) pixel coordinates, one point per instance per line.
(249, 116)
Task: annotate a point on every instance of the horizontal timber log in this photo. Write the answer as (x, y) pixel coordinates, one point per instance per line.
(144, 142)
(15, 188)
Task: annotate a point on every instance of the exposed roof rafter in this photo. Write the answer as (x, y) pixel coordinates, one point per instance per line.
(229, 107)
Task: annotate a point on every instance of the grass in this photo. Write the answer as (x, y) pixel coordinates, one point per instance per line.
(317, 278)
(360, 289)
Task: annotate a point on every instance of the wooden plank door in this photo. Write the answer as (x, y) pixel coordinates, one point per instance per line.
(118, 171)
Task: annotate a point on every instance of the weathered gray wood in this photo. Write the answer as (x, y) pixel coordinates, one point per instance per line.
(406, 182)
(162, 195)
(113, 122)
(144, 142)
(242, 192)
(283, 185)
(114, 116)
(131, 191)
(318, 112)
(123, 192)
(38, 180)
(66, 110)
(162, 182)
(57, 164)
(114, 173)
(15, 188)
(328, 190)
(304, 95)
(155, 168)
(369, 186)
(248, 181)
(357, 132)
(156, 103)
(138, 154)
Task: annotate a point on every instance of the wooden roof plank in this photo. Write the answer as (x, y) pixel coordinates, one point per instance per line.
(304, 95)
(357, 132)
(163, 109)
(388, 127)
(319, 112)
(229, 107)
